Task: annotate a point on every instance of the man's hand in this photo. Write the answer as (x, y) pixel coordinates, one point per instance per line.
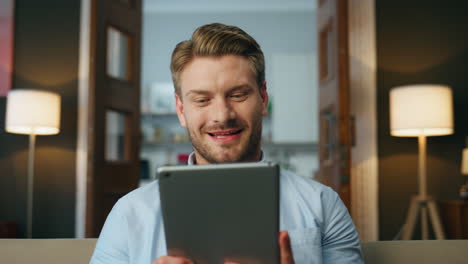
(172, 260)
(286, 256)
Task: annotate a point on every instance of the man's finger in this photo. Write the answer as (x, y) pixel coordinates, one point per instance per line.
(286, 256)
(172, 260)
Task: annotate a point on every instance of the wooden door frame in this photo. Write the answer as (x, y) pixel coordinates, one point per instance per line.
(359, 64)
(83, 114)
(86, 183)
(334, 143)
(363, 109)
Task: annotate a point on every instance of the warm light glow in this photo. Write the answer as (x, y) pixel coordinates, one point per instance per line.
(464, 167)
(418, 110)
(32, 112)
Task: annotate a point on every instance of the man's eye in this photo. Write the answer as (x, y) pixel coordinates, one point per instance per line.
(201, 100)
(239, 96)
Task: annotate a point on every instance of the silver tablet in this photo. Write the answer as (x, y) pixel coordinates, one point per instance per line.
(218, 213)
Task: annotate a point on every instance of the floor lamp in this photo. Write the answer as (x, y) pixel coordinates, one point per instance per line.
(421, 111)
(464, 171)
(32, 112)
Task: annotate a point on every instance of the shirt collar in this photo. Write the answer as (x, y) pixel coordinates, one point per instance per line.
(191, 158)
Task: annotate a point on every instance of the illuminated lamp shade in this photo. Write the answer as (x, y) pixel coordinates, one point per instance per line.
(464, 167)
(421, 110)
(33, 112)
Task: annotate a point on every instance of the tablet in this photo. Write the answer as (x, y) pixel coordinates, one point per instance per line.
(218, 213)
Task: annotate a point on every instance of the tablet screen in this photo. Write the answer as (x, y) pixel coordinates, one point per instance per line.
(218, 213)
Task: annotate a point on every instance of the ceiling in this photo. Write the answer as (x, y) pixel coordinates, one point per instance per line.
(198, 6)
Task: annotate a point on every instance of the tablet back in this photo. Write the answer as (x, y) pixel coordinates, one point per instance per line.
(218, 213)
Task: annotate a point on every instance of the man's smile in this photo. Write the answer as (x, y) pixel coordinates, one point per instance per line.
(225, 136)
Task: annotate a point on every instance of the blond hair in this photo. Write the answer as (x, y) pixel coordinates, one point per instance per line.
(217, 40)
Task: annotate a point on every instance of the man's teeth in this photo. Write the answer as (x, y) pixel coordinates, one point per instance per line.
(224, 134)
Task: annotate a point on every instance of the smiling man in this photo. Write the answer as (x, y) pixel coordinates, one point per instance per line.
(221, 97)
(222, 106)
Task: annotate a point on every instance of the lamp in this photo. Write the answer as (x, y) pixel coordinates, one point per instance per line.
(32, 112)
(464, 171)
(421, 111)
(464, 167)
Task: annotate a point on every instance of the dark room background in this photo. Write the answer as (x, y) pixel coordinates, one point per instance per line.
(419, 42)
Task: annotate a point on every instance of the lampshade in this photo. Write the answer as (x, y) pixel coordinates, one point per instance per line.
(421, 110)
(464, 166)
(32, 112)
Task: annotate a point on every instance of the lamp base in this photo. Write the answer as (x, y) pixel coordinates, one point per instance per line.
(421, 205)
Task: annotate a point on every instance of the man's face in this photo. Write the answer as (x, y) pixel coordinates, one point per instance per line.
(222, 106)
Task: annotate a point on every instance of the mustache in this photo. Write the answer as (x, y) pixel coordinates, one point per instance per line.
(231, 124)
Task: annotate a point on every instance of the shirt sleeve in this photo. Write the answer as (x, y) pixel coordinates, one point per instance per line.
(340, 241)
(112, 245)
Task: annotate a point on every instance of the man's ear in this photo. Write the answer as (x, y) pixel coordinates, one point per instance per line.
(264, 95)
(180, 110)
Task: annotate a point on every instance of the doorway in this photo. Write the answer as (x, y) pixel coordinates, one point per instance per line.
(286, 31)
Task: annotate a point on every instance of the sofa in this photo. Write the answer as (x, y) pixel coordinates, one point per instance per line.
(78, 251)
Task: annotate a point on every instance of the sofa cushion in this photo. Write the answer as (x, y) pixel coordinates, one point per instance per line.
(50, 251)
(416, 251)
(79, 251)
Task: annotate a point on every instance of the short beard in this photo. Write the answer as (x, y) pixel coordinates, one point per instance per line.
(249, 153)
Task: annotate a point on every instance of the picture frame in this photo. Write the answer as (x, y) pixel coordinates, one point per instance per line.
(6, 45)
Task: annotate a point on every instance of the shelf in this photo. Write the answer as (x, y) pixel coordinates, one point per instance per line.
(174, 114)
(148, 114)
(296, 147)
(166, 145)
(291, 146)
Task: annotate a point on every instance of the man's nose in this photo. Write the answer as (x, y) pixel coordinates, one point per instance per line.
(223, 112)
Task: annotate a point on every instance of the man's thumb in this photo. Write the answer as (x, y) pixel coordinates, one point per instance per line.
(286, 256)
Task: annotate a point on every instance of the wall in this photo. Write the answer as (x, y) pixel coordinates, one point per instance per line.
(419, 42)
(45, 58)
(276, 32)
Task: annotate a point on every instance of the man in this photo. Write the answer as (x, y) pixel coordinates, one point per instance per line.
(221, 97)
